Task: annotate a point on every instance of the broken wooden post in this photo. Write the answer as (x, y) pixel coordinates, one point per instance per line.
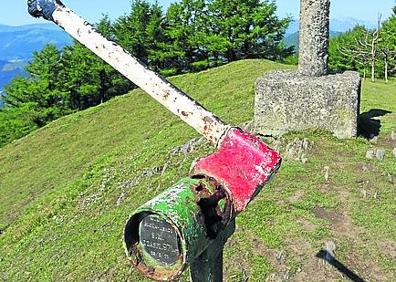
(189, 223)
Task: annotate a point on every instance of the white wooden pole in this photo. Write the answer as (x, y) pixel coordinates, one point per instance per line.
(155, 85)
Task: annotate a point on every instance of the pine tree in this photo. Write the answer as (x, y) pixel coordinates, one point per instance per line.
(43, 89)
(130, 30)
(249, 29)
(155, 37)
(186, 28)
(105, 27)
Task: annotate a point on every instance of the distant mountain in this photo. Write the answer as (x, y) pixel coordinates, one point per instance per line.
(292, 39)
(8, 71)
(345, 24)
(19, 42)
(10, 28)
(336, 25)
(293, 27)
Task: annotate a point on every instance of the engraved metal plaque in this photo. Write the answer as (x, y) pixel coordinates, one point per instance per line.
(159, 239)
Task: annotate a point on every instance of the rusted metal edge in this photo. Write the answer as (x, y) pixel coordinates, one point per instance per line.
(183, 206)
(243, 164)
(134, 252)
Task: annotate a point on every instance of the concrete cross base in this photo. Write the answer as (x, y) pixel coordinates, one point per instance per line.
(287, 101)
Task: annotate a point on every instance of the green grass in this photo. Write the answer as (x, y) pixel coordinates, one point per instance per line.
(67, 190)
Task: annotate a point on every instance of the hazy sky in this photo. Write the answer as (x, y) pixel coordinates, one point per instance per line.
(13, 12)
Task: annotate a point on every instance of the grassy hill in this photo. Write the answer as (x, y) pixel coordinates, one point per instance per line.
(67, 190)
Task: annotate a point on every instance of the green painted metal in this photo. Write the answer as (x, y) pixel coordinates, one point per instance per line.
(208, 267)
(177, 206)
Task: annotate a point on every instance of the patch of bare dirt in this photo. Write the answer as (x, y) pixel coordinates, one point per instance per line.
(296, 197)
(332, 216)
(389, 248)
(277, 258)
(341, 223)
(306, 224)
(328, 215)
(388, 142)
(236, 268)
(366, 167)
(311, 268)
(369, 270)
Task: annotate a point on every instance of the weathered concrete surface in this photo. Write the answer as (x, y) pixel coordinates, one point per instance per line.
(288, 101)
(314, 37)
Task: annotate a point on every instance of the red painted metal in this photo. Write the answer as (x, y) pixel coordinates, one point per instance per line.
(242, 164)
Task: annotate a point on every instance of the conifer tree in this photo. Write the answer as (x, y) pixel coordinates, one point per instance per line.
(249, 29)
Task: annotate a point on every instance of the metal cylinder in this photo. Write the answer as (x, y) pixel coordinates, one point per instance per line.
(167, 233)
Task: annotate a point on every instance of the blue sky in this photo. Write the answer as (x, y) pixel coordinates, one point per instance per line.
(13, 12)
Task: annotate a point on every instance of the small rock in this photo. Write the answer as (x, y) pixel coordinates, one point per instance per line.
(121, 198)
(296, 150)
(188, 147)
(393, 135)
(394, 152)
(277, 144)
(330, 248)
(374, 140)
(375, 154)
(152, 172)
(281, 257)
(390, 178)
(327, 172)
(380, 154)
(307, 144)
(249, 126)
(371, 153)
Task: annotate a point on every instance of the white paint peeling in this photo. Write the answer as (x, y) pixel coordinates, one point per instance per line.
(156, 86)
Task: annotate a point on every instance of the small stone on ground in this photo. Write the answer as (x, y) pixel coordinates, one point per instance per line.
(374, 140)
(371, 154)
(380, 154)
(390, 178)
(376, 154)
(330, 247)
(327, 172)
(393, 135)
(297, 150)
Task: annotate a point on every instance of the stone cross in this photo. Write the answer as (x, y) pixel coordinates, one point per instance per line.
(314, 37)
(309, 98)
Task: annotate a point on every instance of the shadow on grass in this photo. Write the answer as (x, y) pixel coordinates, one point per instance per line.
(369, 127)
(326, 256)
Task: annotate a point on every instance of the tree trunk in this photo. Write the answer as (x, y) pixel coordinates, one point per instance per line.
(373, 56)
